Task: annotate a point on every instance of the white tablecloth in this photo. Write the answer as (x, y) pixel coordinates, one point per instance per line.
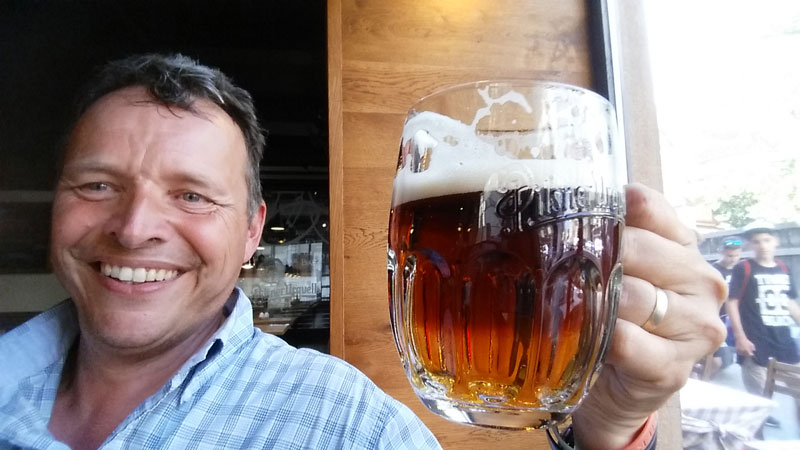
(772, 445)
(718, 417)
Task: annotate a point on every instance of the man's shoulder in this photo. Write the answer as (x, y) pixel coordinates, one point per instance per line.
(778, 267)
(273, 357)
(743, 268)
(315, 397)
(722, 269)
(39, 343)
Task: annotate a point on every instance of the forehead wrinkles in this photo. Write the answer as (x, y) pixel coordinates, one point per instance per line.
(130, 118)
(138, 96)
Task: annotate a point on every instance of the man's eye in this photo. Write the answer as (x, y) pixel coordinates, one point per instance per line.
(96, 191)
(96, 187)
(193, 197)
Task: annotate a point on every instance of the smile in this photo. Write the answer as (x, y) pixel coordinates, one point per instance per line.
(137, 274)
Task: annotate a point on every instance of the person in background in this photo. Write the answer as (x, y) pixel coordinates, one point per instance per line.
(762, 305)
(157, 206)
(730, 253)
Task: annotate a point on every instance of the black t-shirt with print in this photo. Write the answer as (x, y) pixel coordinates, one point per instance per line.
(726, 274)
(762, 308)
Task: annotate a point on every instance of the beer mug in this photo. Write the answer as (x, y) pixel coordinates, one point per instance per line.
(504, 249)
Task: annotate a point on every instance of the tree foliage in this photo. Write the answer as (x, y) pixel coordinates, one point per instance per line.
(735, 209)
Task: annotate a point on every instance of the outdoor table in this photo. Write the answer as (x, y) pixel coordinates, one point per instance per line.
(718, 417)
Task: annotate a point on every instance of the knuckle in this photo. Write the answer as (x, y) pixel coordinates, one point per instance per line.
(713, 282)
(692, 237)
(714, 332)
(718, 285)
(638, 200)
(675, 376)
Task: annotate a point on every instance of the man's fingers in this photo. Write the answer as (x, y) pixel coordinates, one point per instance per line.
(650, 359)
(683, 318)
(745, 348)
(664, 263)
(651, 257)
(658, 363)
(648, 209)
(638, 300)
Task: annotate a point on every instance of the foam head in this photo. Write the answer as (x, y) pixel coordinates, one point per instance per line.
(442, 156)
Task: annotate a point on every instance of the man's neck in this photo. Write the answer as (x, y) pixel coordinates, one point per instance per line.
(102, 387)
(766, 261)
(92, 403)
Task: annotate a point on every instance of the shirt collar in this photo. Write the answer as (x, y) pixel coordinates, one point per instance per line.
(234, 332)
(48, 337)
(39, 343)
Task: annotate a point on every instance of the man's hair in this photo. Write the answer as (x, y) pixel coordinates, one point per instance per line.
(759, 227)
(178, 81)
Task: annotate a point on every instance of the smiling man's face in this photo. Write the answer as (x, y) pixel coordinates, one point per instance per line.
(150, 220)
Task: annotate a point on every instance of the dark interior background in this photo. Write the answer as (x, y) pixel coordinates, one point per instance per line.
(275, 49)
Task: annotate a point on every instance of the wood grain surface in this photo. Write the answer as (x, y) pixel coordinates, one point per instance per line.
(335, 177)
(383, 56)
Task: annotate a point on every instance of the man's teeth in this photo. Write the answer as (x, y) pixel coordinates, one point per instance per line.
(138, 274)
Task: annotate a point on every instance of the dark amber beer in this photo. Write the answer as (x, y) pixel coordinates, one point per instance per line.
(504, 272)
(503, 313)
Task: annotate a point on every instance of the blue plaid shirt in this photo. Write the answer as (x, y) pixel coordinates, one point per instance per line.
(244, 389)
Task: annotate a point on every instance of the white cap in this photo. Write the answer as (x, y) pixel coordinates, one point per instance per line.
(758, 226)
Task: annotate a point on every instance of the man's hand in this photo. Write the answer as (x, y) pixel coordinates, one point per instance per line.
(643, 369)
(744, 346)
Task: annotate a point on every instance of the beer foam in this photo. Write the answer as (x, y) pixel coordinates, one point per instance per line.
(455, 159)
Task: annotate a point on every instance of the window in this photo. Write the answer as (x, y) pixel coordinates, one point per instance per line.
(727, 89)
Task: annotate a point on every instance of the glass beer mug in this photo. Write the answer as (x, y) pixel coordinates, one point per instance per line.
(504, 249)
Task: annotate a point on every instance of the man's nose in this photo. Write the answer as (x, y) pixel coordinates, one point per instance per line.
(139, 220)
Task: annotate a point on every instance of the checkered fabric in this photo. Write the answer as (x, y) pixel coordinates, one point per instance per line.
(243, 390)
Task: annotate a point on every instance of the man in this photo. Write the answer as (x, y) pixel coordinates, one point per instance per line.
(157, 206)
(762, 305)
(731, 252)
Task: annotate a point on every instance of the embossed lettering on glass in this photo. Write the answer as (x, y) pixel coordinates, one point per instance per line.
(504, 249)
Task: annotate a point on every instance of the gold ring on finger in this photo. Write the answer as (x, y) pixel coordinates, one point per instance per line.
(659, 310)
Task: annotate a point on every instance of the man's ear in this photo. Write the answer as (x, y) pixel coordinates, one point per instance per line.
(254, 230)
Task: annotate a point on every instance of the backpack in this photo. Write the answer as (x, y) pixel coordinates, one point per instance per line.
(747, 269)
